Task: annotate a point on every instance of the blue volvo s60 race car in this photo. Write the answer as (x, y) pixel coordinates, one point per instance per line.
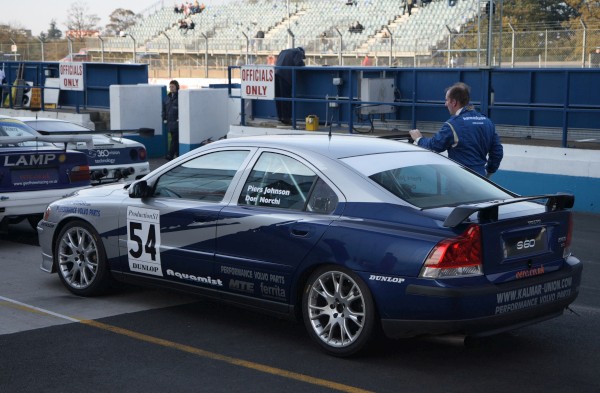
(349, 233)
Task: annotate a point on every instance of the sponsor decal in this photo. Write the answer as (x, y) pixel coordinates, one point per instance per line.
(104, 156)
(31, 159)
(143, 240)
(242, 286)
(34, 177)
(234, 271)
(275, 278)
(530, 272)
(274, 291)
(534, 295)
(78, 210)
(190, 277)
(395, 280)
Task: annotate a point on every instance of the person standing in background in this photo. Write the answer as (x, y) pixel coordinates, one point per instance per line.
(170, 116)
(283, 81)
(469, 137)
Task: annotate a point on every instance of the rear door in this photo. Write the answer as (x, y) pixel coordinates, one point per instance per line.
(282, 211)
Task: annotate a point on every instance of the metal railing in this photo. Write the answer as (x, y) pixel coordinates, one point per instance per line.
(542, 48)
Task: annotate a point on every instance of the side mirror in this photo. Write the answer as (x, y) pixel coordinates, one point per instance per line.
(139, 189)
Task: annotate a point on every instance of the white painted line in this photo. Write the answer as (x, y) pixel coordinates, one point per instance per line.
(44, 311)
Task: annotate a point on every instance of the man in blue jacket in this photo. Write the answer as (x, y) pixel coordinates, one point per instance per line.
(469, 137)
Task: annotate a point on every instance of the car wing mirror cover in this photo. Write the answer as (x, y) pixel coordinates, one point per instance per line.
(139, 189)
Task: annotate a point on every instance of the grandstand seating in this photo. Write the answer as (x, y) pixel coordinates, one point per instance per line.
(231, 27)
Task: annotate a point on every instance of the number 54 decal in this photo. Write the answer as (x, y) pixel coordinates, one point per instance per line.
(143, 240)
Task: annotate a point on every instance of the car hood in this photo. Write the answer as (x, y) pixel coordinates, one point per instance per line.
(102, 190)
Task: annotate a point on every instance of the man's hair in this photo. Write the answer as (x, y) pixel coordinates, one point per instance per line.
(174, 82)
(460, 92)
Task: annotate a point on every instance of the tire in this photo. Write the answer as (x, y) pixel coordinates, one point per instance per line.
(33, 220)
(338, 310)
(81, 260)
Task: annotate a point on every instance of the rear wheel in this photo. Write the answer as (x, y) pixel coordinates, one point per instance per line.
(81, 259)
(338, 310)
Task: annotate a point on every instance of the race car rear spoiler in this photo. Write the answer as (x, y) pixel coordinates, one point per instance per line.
(489, 210)
(10, 140)
(143, 132)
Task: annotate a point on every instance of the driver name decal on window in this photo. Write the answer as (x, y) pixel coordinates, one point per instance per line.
(143, 240)
(265, 195)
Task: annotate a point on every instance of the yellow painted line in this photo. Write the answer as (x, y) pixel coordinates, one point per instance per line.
(196, 351)
(227, 359)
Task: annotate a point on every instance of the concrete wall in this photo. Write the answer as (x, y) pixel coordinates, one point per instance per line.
(530, 170)
(205, 114)
(137, 106)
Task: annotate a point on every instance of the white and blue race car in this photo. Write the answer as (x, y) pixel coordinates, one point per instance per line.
(112, 157)
(35, 172)
(349, 233)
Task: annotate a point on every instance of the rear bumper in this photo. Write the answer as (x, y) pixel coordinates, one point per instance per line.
(110, 173)
(545, 297)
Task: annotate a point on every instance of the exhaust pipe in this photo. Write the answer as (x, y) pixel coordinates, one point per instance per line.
(122, 173)
(98, 174)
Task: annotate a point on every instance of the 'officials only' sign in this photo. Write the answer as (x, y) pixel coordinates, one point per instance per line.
(258, 82)
(71, 76)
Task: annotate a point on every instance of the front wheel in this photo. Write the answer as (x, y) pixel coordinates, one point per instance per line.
(81, 259)
(338, 310)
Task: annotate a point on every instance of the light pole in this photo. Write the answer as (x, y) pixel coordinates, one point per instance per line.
(101, 49)
(42, 43)
(70, 48)
(134, 46)
(205, 55)
(169, 52)
(125, 34)
(391, 44)
(14, 48)
(340, 58)
(490, 43)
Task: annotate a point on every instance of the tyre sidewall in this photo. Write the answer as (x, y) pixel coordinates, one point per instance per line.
(102, 279)
(369, 320)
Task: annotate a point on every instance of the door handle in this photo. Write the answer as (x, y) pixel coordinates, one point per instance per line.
(301, 231)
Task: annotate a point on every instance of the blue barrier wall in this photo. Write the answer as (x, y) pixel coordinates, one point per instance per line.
(564, 99)
(97, 79)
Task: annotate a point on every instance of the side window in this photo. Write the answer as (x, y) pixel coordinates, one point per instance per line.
(322, 199)
(283, 182)
(205, 178)
(16, 130)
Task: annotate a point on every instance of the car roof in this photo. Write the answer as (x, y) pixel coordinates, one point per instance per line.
(335, 146)
(32, 118)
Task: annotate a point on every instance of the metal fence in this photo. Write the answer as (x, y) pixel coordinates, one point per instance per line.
(194, 53)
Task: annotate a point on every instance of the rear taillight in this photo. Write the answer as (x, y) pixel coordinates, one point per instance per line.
(567, 249)
(455, 257)
(79, 173)
(142, 154)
